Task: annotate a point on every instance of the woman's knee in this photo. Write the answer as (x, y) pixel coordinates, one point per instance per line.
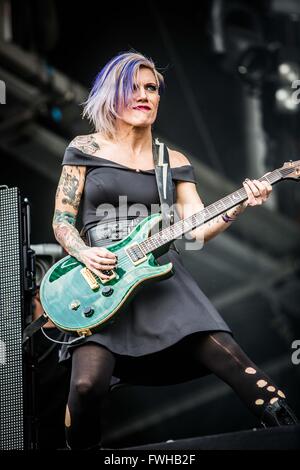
(92, 368)
(88, 389)
(84, 387)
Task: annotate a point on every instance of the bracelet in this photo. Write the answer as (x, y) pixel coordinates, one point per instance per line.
(227, 218)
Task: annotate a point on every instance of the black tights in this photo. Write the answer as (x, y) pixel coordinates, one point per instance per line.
(93, 365)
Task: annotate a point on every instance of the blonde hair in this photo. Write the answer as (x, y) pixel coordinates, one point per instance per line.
(113, 88)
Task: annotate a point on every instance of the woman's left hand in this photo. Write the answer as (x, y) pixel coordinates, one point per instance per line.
(257, 192)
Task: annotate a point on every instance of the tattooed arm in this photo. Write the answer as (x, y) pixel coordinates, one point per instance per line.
(68, 196)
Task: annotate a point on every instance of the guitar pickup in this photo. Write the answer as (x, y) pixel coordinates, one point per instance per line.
(90, 278)
(109, 272)
(136, 254)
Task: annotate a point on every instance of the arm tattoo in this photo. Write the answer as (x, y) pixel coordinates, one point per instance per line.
(236, 211)
(68, 186)
(85, 143)
(66, 233)
(214, 221)
(60, 216)
(217, 225)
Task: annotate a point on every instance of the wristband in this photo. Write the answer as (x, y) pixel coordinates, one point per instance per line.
(227, 218)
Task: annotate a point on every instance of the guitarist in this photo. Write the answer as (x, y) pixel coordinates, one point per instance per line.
(168, 322)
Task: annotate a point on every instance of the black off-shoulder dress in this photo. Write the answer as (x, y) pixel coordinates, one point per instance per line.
(153, 337)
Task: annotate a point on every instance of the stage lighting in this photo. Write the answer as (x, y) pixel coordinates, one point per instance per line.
(288, 76)
(289, 72)
(285, 100)
(255, 64)
(238, 37)
(56, 114)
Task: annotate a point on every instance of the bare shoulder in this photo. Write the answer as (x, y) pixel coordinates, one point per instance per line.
(86, 143)
(177, 158)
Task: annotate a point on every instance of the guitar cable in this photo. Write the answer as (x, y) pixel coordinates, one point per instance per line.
(61, 342)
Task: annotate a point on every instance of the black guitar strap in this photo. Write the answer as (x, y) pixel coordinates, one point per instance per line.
(33, 327)
(164, 184)
(164, 181)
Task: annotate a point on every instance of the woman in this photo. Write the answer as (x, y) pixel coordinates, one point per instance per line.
(167, 319)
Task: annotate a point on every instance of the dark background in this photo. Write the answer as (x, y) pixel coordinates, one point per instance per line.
(204, 113)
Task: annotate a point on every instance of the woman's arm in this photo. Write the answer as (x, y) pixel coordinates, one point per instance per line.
(68, 197)
(189, 202)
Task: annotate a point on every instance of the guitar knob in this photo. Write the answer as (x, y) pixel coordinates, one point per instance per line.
(88, 311)
(107, 291)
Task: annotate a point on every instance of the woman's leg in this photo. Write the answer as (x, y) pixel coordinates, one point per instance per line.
(220, 353)
(92, 368)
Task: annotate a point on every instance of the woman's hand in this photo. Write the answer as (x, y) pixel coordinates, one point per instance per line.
(257, 192)
(98, 259)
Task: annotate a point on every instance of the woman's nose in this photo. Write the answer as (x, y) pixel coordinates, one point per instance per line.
(141, 93)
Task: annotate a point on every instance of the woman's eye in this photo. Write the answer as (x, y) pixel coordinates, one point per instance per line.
(152, 87)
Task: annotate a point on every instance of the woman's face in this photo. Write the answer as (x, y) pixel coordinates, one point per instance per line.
(141, 111)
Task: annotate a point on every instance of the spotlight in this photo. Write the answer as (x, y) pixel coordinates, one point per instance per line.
(238, 37)
(56, 114)
(288, 75)
(255, 64)
(285, 100)
(289, 72)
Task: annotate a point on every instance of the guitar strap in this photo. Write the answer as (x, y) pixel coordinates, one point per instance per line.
(33, 327)
(164, 181)
(164, 184)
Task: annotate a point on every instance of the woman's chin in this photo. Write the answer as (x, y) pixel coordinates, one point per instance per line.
(140, 123)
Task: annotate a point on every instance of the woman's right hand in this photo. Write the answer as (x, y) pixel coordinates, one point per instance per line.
(98, 259)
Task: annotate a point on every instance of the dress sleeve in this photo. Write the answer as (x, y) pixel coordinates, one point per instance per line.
(73, 156)
(184, 173)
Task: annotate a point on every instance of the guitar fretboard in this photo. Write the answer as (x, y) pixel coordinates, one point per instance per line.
(183, 226)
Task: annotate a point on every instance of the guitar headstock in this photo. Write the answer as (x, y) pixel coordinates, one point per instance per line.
(291, 170)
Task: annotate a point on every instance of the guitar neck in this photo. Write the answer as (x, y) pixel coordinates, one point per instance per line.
(184, 226)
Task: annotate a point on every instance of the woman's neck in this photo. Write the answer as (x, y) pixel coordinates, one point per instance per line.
(136, 140)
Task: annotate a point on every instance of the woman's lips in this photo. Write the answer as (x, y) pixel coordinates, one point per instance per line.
(142, 108)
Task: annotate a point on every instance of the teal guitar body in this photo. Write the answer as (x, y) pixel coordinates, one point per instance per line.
(77, 301)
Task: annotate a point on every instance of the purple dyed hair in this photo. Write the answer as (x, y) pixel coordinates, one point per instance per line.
(113, 88)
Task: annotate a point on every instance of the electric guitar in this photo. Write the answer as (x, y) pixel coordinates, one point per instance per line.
(79, 302)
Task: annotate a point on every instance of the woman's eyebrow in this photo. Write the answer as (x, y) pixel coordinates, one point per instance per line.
(147, 84)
